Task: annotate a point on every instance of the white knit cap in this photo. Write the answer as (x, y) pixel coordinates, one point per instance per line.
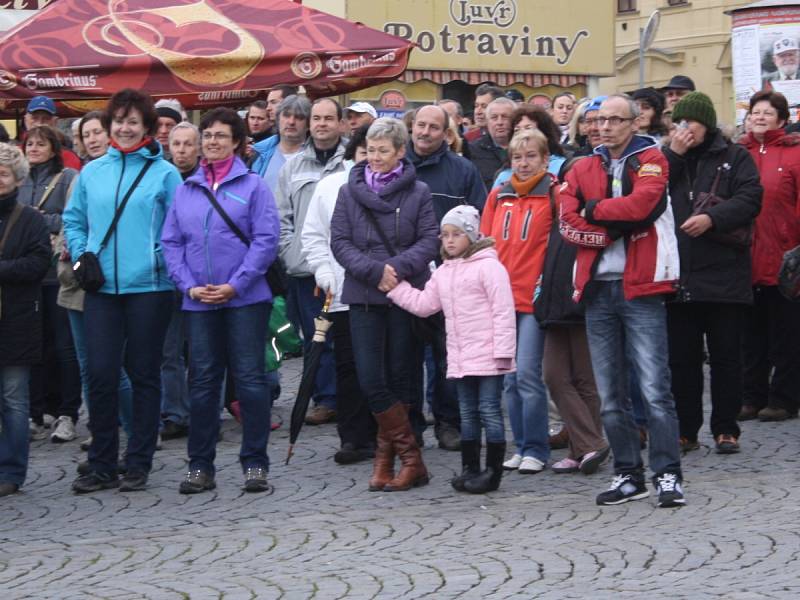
(466, 218)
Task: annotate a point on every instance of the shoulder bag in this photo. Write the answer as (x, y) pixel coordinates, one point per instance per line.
(276, 275)
(789, 275)
(427, 329)
(87, 269)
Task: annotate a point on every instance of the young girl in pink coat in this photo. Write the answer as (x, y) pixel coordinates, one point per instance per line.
(473, 290)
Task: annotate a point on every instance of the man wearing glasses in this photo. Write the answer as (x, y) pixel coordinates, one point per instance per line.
(627, 263)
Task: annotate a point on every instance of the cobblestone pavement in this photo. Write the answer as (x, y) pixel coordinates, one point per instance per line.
(321, 534)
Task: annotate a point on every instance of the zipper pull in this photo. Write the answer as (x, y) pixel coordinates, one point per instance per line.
(691, 196)
(761, 150)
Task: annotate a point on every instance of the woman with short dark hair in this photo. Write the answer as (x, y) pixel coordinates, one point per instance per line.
(126, 319)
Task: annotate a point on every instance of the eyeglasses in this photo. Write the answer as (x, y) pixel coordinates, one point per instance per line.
(219, 136)
(456, 235)
(613, 121)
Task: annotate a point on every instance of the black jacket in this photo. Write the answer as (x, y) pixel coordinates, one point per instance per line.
(25, 260)
(488, 157)
(710, 271)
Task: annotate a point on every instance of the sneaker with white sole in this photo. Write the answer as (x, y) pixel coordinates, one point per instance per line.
(670, 492)
(512, 464)
(530, 465)
(63, 430)
(48, 420)
(624, 488)
(37, 431)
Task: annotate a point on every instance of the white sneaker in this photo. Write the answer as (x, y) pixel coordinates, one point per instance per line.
(513, 462)
(64, 430)
(37, 431)
(531, 465)
(85, 444)
(48, 420)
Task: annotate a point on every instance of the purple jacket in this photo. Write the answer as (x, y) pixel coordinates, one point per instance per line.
(404, 211)
(200, 248)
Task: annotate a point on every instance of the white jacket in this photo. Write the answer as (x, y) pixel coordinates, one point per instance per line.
(316, 234)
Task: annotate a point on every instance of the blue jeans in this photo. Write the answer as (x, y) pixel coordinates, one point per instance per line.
(124, 392)
(232, 338)
(479, 400)
(133, 324)
(525, 393)
(388, 359)
(301, 309)
(635, 330)
(174, 389)
(14, 433)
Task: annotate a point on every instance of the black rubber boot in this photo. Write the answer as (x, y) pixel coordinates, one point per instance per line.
(489, 479)
(470, 463)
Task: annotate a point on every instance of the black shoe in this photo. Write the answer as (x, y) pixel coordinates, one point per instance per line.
(449, 437)
(670, 492)
(349, 454)
(255, 480)
(727, 444)
(173, 431)
(470, 463)
(624, 488)
(94, 482)
(84, 468)
(196, 482)
(488, 480)
(133, 481)
(7, 488)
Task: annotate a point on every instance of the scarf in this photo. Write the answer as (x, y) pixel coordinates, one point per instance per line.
(378, 181)
(523, 188)
(217, 171)
(145, 140)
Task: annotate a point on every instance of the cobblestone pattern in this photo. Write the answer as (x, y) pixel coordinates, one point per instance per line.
(321, 534)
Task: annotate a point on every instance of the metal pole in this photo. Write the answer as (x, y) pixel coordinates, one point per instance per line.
(641, 57)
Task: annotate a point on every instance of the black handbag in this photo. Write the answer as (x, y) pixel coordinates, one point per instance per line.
(741, 237)
(789, 275)
(87, 269)
(277, 280)
(427, 329)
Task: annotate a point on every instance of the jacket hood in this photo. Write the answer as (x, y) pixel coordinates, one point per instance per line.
(266, 144)
(475, 251)
(238, 168)
(637, 144)
(381, 201)
(151, 151)
(774, 137)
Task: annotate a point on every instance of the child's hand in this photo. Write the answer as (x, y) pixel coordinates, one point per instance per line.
(503, 364)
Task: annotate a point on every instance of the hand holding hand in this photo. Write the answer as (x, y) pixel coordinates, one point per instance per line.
(389, 280)
(697, 225)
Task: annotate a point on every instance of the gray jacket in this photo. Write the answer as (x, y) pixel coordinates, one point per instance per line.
(33, 188)
(296, 184)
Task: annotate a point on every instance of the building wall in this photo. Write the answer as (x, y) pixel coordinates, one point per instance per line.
(693, 40)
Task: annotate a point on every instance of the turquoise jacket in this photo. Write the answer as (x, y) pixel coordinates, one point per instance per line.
(132, 260)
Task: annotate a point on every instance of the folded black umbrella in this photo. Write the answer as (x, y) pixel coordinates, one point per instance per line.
(322, 324)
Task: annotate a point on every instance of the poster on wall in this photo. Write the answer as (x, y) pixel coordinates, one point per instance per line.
(765, 45)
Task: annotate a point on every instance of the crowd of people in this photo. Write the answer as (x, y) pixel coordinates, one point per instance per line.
(578, 263)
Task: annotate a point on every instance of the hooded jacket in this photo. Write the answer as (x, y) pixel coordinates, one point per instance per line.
(132, 261)
(710, 271)
(777, 228)
(452, 179)
(201, 249)
(404, 211)
(264, 151)
(592, 219)
(23, 264)
(474, 292)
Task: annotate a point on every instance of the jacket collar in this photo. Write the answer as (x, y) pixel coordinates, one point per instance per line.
(238, 169)
(774, 137)
(424, 161)
(638, 144)
(542, 188)
(150, 151)
(377, 202)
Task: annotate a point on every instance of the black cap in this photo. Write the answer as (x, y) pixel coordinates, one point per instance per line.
(515, 95)
(679, 82)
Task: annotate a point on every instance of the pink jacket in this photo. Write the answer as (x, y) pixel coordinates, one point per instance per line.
(475, 294)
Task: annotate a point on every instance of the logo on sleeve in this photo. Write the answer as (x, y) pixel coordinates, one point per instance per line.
(649, 170)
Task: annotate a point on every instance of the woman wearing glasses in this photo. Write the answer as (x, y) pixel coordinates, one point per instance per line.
(220, 237)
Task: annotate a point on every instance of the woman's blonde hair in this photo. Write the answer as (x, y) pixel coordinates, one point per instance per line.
(527, 137)
(12, 157)
(453, 138)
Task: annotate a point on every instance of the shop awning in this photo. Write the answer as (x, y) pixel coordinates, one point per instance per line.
(503, 79)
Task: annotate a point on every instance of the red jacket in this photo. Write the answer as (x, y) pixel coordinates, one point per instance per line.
(777, 227)
(593, 220)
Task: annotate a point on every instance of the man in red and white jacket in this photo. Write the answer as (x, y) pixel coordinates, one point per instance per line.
(615, 208)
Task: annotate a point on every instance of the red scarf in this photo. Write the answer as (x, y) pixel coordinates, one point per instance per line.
(145, 140)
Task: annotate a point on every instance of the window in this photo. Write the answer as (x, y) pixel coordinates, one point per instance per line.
(626, 6)
(677, 2)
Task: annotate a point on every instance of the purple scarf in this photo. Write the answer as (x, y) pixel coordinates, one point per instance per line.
(378, 181)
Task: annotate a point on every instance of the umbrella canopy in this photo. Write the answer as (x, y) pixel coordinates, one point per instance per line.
(203, 52)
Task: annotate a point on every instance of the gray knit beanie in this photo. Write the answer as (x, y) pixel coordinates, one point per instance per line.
(465, 217)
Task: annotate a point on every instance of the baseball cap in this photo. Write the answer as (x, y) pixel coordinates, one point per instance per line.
(594, 104)
(679, 82)
(363, 107)
(784, 45)
(41, 103)
(515, 95)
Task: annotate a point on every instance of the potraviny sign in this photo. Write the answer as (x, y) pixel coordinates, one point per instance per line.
(541, 36)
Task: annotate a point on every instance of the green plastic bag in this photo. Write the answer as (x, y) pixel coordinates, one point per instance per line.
(282, 336)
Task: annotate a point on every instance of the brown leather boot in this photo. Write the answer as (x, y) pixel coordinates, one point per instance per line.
(383, 465)
(413, 472)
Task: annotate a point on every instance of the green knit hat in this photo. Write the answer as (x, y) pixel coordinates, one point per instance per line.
(697, 107)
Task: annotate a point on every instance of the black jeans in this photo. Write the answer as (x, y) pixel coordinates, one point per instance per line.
(55, 386)
(688, 324)
(133, 325)
(772, 347)
(354, 421)
(388, 359)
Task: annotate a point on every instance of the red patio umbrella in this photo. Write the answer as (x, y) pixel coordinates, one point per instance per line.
(204, 52)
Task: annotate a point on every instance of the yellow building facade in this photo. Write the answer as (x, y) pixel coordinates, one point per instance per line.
(694, 39)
